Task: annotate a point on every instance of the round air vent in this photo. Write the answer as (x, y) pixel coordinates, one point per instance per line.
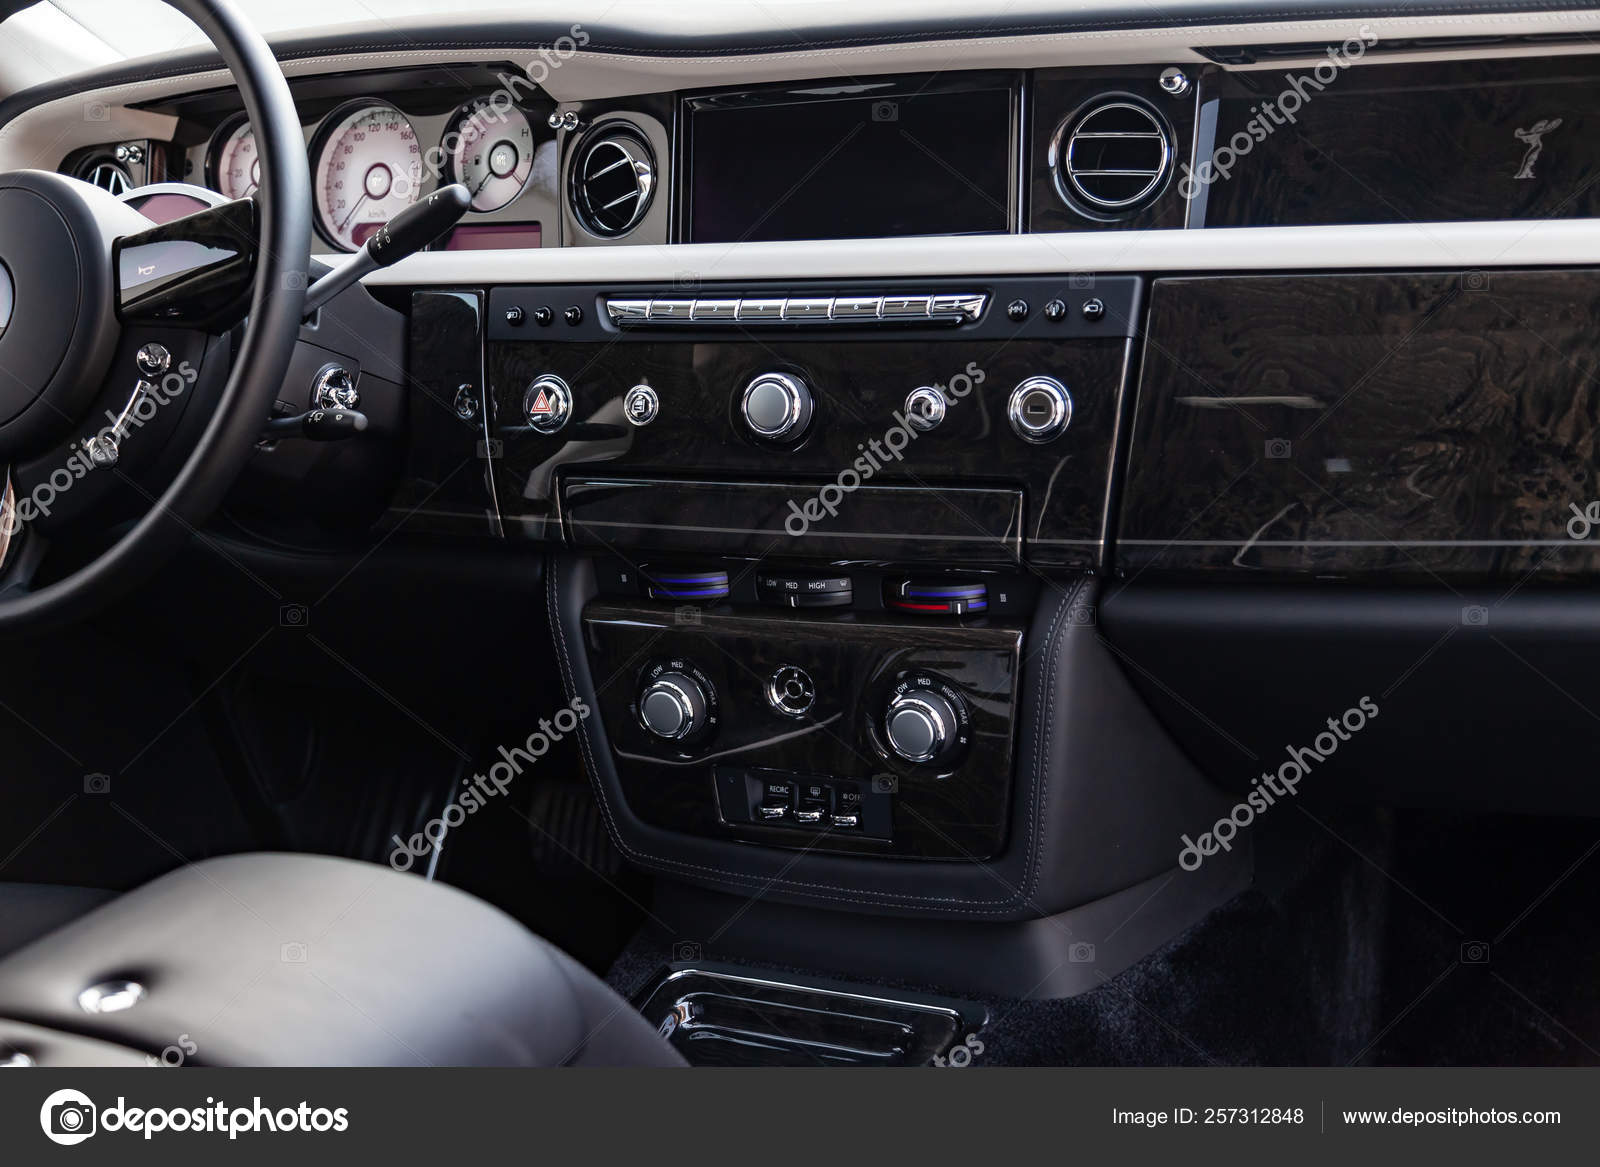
(1112, 157)
(612, 180)
(106, 173)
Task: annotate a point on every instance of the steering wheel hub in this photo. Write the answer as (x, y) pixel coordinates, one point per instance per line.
(58, 324)
(62, 333)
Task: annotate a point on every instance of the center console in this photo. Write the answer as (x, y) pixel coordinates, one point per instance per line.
(813, 514)
(823, 570)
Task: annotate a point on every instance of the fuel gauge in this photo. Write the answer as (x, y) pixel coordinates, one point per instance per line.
(491, 151)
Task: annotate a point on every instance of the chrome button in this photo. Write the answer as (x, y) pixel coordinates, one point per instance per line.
(153, 359)
(761, 309)
(547, 404)
(716, 310)
(672, 310)
(640, 405)
(925, 408)
(628, 311)
(857, 307)
(961, 307)
(905, 307)
(334, 388)
(808, 309)
(1040, 409)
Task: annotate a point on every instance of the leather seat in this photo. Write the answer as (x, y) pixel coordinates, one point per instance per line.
(298, 960)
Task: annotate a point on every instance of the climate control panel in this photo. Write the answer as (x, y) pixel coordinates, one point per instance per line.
(863, 732)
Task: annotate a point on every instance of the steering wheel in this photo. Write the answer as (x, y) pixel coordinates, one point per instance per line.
(82, 274)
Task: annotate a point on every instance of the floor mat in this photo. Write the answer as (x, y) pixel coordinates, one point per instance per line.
(1494, 944)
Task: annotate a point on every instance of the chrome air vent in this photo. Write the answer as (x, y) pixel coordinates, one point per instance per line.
(612, 180)
(107, 174)
(1112, 157)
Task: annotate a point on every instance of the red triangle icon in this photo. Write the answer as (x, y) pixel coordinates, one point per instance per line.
(541, 403)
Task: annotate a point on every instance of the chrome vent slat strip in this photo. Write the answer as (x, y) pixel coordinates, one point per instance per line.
(620, 162)
(944, 307)
(1074, 176)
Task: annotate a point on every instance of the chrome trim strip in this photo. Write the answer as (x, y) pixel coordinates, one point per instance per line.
(945, 307)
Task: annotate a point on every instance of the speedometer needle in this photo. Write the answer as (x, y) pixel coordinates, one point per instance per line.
(359, 203)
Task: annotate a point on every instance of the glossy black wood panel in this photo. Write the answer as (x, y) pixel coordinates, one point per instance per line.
(1059, 94)
(854, 659)
(1409, 143)
(902, 524)
(860, 387)
(1405, 425)
(446, 488)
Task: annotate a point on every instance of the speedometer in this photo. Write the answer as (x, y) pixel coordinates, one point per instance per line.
(369, 169)
(235, 164)
(491, 152)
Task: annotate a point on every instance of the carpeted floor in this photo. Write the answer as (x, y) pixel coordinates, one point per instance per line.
(1371, 938)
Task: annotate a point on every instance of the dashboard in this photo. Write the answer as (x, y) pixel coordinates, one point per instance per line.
(1221, 143)
(923, 432)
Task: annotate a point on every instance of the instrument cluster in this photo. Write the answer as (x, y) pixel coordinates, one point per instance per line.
(370, 160)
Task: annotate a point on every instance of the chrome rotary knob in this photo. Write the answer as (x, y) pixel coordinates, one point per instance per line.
(920, 725)
(673, 706)
(777, 407)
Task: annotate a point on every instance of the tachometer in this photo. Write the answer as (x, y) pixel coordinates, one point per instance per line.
(369, 169)
(491, 151)
(235, 164)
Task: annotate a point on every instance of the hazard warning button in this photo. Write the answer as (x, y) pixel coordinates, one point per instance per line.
(548, 403)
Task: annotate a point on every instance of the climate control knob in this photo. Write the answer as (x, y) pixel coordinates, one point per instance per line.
(921, 725)
(777, 407)
(674, 706)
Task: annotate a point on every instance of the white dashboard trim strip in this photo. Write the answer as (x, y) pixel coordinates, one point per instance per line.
(1563, 242)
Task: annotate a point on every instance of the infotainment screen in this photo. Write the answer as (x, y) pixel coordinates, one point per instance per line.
(849, 162)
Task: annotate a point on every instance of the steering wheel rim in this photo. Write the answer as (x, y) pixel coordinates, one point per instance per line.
(259, 366)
